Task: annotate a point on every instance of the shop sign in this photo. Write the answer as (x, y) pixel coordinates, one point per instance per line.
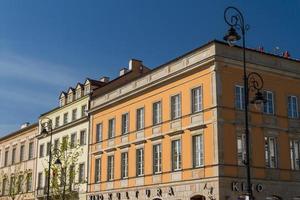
(242, 186)
(158, 192)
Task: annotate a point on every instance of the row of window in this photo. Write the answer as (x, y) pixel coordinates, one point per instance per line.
(73, 117)
(271, 152)
(176, 158)
(196, 99)
(268, 106)
(17, 183)
(42, 179)
(73, 143)
(21, 154)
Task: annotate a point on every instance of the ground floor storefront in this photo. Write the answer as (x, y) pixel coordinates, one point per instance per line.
(205, 189)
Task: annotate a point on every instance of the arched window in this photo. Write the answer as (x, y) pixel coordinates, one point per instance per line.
(157, 199)
(198, 197)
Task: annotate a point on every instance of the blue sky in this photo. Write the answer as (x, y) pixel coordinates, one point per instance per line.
(47, 46)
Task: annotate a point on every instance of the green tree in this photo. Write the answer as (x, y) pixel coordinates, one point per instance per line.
(64, 167)
(15, 182)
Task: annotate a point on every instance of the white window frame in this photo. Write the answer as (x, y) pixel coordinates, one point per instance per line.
(268, 107)
(271, 160)
(140, 118)
(156, 113)
(111, 128)
(293, 111)
(110, 167)
(295, 154)
(140, 162)
(198, 150)
(97, 169)
(196, 100)
(157, 158)
(241, 149)
(239, 97)
(175, 103)
(124, 165)
(176, 155)
(125, 123)
(99, 132)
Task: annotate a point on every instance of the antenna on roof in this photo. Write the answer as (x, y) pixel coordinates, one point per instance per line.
(277, 51)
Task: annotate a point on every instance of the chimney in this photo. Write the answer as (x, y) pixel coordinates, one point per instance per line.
(104, 79)
(135, 65)
(286, 54)
(123, 71)
(26, 124)
(261, 49)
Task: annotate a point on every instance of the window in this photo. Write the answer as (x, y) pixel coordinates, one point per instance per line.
(176, 155)
(98, 132)
(12, 183)
(175, 107)
(72, 174)
(83, 110)
(62, 101)
(196, 100)
(124, 165)
(20, 183)
(74, 114)
(65, 118)
(270, 152)
(295, 153)
(56, 121)
(6, 158)
(65, 141)
(156, 158)
(111, 128)
(198, 155)
(48, 149)
(63, 176)
(86, 89)
(22, 150)
(78, 93)
(156, 113)
(140, 162)
(110, 168)
(30, 151)
(4, 186)
(56, 143)
(40, 180)
(140, 118)
(97, 170)
(81, 173)
(125, 123)
(41, 150)
(293, 107)
(241, 149)
(13, 157)
(73, 140)
(239, 97)
(82, 140)
(70, 98)
(29, 182)
(269, 104)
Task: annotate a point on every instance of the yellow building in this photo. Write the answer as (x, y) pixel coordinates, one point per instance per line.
(176, 132)
(18, 163)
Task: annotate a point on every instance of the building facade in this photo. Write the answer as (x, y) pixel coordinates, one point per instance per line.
(17, 163)
(70, 123)
(176, 132)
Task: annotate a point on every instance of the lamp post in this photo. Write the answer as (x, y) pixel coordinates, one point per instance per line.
(46, 130)
(252, 81)
(63, 173)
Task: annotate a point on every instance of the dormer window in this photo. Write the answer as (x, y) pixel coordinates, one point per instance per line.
(70, 98)
(62, 101)
(78, 93)
(86, 89)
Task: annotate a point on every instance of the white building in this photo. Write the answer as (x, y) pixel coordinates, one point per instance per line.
(70, 120)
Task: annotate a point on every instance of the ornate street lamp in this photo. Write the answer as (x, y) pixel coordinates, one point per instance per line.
(252, 81)
(46, 125)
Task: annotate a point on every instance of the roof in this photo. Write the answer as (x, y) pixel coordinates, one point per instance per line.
(20, 131)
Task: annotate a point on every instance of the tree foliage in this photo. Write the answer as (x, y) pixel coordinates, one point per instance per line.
(64, 167)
